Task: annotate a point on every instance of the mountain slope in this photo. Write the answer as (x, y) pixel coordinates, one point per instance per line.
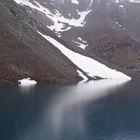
(85, 30)
(92, 28)
(24, 53)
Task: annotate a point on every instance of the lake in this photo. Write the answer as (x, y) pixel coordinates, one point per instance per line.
(96, 110)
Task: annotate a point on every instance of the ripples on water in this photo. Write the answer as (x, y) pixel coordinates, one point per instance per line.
(97, 110)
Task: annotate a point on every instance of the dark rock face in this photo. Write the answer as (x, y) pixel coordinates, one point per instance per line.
(24, 53)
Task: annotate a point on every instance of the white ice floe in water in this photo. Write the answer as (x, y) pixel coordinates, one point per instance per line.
(90, 66)
(27, 82)
(59, 21)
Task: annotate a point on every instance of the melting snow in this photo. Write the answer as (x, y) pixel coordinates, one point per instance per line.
(77, 95)
(87, 64)
(59, 21)
(80, 43)
(134, 1)
(90, 4)
(82, 75)
(27, 82)
(117, 1)
(75, 1)
(121, 6)
(79, 38)
(118, 24)
(69, 14)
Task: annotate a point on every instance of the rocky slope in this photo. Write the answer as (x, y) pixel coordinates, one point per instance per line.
(106, 30)
(98, 29)
(24, 53)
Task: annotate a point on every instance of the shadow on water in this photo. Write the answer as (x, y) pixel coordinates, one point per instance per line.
(97, 110)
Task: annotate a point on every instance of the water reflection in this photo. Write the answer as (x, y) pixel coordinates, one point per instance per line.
(74, 112)
(67, 113)
(26, 89)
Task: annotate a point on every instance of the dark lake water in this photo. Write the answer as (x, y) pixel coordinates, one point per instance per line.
(97, 110)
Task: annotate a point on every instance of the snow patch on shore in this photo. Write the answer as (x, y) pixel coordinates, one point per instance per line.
(27, 82)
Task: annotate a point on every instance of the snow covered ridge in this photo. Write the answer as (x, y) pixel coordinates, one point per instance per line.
(60, 23)
(27, 82)
(90, 66)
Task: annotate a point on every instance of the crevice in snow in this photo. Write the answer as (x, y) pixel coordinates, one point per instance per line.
(90, 66)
